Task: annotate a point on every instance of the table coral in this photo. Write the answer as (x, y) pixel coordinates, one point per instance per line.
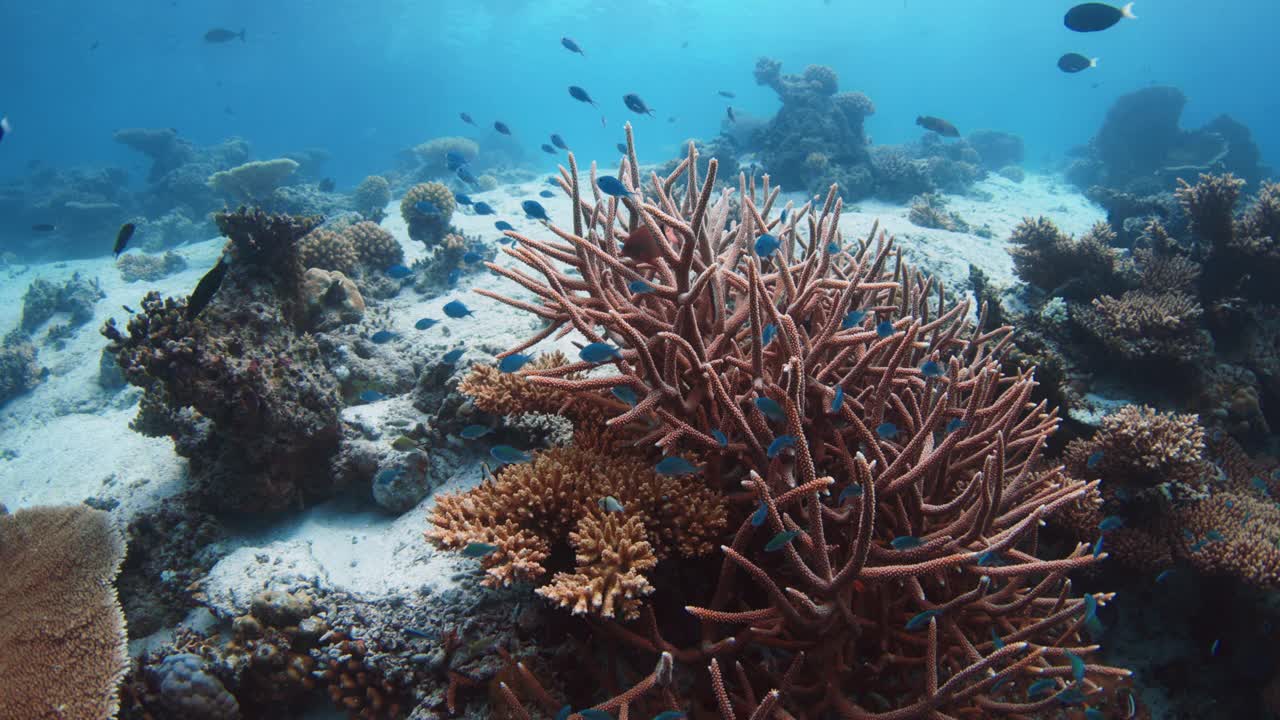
(882, 475)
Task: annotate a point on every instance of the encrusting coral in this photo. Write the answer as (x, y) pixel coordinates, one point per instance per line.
(882, 476)
(429, 222)
(62, 636)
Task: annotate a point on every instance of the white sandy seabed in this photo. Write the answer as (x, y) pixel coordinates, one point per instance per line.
(68, 440)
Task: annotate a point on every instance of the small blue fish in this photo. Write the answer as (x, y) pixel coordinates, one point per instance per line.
(382, 337)
(598, 352)
(720, 437)
(503, 225)
(610, 185)
(884, 329)
(398, 272)
(624, 393)
(906, 542)
(1213, 535)
(465, 175)
(1077, 666)
(501, 127)
(932, 369)
(370, 396)
(997, 642)
(675, 465)
(781, 540)
(622, 148)
(770, 408)
(779, 444)
(471, 257)
(1213, 649)
(768, 334)
(760, 515)
(990, 558)
(478, 549)
(639, 287)
(593, 714)
(549, 150)
(1164, 575)
(462, 199)
(1111, 522)
(564, 713)
(553, 181)
(955, 424)
(426, 207)
(457, 309)
(837, 400)
(513, 363)
(571, 46)
(1090, 607)
(483, 208)
(1260, 484)
(504, 240)
(453, 356)
(1071, 696)
(783, 216)
(1094, 458)
(853, 490)
(454, 276)
(508, 454)
(852, 319)
(1097, 546)
(921, 620)
(767, 245)
(1041, 687)
(454, 159)
(546, 194)
(887, 430)
(474, 432)
(610, 503)
(534, 209)
(832, 248)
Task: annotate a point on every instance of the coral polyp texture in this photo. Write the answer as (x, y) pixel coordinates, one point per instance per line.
(427, 208)
(880, 474)
(371, 196)
(328, 250)
(376, 248)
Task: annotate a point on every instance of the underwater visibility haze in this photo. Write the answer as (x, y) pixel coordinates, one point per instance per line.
(719, 360)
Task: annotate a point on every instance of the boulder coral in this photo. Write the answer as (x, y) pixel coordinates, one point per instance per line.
(371, 196)
(428, 226)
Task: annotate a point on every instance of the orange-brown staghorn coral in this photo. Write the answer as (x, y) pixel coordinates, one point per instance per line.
(612, 556)
(1141, 325)
(1142, 447)
(499, 393)
(882, 560)
(1232, 534)
(526, 509)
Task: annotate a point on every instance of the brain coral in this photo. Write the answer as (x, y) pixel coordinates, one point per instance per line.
(375, 247)
(427, 227)
(328, 250)
(62, 639)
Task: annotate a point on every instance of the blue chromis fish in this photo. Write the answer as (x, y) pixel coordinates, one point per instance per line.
(462, 199)
(465, 175)
(921, 620)
(509, 455)
(990, 558)
(760, 515)
(1110, 522)
(781, 540)
(720, 437)
(598, 352)
(884, 329)
(1041, 687)
(932, 369)
(478, 549)
(483, 208)
(636, 104)
(426, 207)
(1090, 607)
(371, 396)
(382, 336)
(501, 127)
(549, 150)
(639, 287)
(1094, 458)
(852, 319)
(854, 490)
(767, 245)
(546, 194)
(955, 424)
(559, 141)
(906, 542)
(610, 503)
(610, 185)
(581, 95)
(624, 393)
(513, 363)
(453, 355)
(534, 209)
(454, 159)
(466, 118)
(1077, 666)
(887, 430)
(456, 309)
(398, 272)
(768, 334)
(1097, 546)
(780, 443)
(503, 225)
(770, 408)
(564, 713)
(622, 148)
(837, 400)
(471, 257)
(473, 432)
(571, 46)
(675, 465)
(454, 276)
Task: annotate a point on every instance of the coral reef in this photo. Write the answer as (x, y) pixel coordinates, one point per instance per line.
(44, 299)
(429, 226)
(1142, 325)
(376, 248)
(62, 644)
(996, 149)
(268, 407)
(875, 462)
(327, 249)
(1075, 269)
(19, 371)
(371, 196)
(929, 211)
(331, 299)
(138, 266)
(431, 155)
(253, 181)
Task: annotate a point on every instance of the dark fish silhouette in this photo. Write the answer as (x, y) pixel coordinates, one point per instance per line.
(571, 46)
(1095, 16)
(622, 148)
(205, 289)
(558, 141)
(727, 93)
(4, 127)
(729, 112)
(221, 35)
(938, 125)
(43, 227)
(635, 104)
(467, 119)
(465, 175)
(327, 185)
(501, 127)
(1075, 62)
(122, 237)
(549, 150)
(581, 95)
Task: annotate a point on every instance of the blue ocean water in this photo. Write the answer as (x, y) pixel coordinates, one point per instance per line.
(366, 80)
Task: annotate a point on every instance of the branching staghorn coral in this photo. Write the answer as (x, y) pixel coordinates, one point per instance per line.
(1141, 325)
(1046, 257)
(884, 474)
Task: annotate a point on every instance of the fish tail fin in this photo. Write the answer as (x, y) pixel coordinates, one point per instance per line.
(1127, 11)
(1093, 62)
